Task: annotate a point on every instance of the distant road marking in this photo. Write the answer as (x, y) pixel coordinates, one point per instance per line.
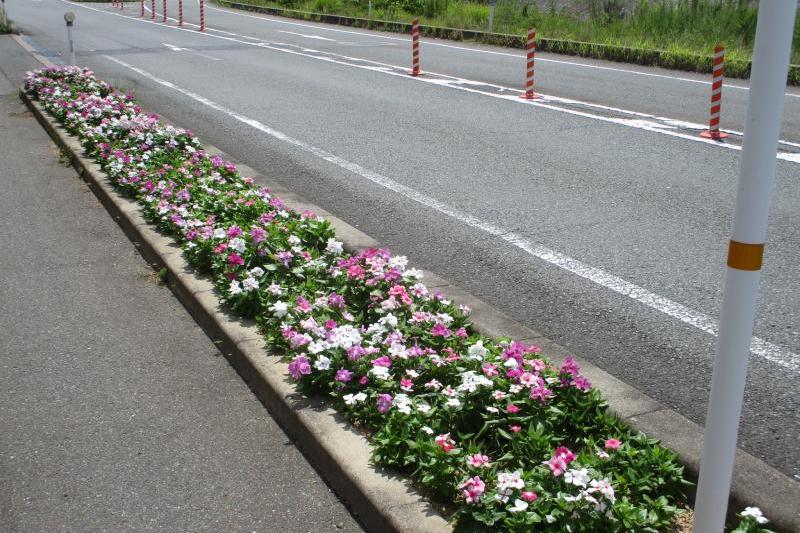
(318, 37)
(642, 121)
(179, 49)
(491, 52)
(766, 350)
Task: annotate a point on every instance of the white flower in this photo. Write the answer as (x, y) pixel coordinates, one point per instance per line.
(293, 239)
(579, 478)
(477, 352)
(234, 288)
(427, 430)
(423, 407)
(493, 409)
(509, 480)
(250, 284)
(605, 488)
(238, 244)
(389, 321)
(511, 363)
(402, 403)
(352, 399)
(345, 337)
(454, 403)
(257, 272)
(518, 506)
(219, 233)
(380, 372)
(398, 261)
(756, 513)
(334, 247)
(275, 289)
(412, 273)
(279, 309)
(322, 363)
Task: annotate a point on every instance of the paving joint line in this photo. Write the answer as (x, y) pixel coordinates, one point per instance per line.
(382, 502)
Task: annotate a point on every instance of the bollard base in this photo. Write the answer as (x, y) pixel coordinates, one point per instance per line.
(530, 96)
(415, 73)
(716, 135)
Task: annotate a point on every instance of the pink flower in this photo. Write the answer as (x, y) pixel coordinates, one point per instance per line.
(473, 489)
(489, 370)
(515, 428)
(563, 451)
(477, 460)
(382, 361)
(355, 272)
(407, 385)
(511, 408)
(257, 234)
(557, 465)
(461, 332)
(529, 496)
(384, 403)
(445, 442)
(613, 444)
(343, 375)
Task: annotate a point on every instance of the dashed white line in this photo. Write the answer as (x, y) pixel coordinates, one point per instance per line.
(761, 348)
(317, 37)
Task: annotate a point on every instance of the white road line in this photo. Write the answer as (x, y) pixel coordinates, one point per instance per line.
(179, 49)
(664, 127)
(491, 52)
(761, 348)
(317, 37)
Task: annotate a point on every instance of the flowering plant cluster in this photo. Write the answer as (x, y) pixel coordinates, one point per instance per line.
(515, 442)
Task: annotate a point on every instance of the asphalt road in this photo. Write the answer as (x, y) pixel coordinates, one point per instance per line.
(117, 412)
(507, 199)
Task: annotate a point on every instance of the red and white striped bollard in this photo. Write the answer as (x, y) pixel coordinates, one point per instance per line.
(716, 96)
(531, 59)
(415, 47)
(141, 15)
(202, 16)
(152, 9)
(180, 13)
(164, 20)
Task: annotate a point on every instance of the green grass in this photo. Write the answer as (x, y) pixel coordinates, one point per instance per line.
(680, 29)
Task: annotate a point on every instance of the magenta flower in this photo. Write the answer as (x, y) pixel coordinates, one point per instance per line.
(512, 409)
(529, 496)
(384, 402)
(440, 330)
(445, 442)
(343, 375)
(299, 367)
(235, 259)
(257, 234)
(613, 444)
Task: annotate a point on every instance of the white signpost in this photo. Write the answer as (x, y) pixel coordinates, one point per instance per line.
(69, 18)
(756, 176)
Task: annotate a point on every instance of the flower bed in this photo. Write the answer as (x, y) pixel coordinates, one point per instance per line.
(489, 425)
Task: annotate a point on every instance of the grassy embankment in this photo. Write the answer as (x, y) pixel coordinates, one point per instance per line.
(678, 34)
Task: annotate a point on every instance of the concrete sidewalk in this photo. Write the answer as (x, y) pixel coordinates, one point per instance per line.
(101, 427)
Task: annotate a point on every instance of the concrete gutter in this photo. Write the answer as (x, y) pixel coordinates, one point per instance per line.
(382, 501)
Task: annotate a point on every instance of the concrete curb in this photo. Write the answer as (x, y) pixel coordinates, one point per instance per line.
(381, 501)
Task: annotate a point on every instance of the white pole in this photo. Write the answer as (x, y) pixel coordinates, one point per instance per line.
(3, 12)
(756, 176)
(369, 9)
(491, 15)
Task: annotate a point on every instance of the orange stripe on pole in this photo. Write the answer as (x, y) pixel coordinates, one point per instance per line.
(202, 16)
(152, 9)
(744, 256)
(180, 13)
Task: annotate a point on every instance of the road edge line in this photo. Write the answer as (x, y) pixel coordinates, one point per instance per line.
(381, 501)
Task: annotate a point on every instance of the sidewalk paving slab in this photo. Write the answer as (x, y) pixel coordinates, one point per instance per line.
(102, 428)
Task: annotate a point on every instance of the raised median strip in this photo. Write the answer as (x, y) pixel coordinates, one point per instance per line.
(382, 501)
